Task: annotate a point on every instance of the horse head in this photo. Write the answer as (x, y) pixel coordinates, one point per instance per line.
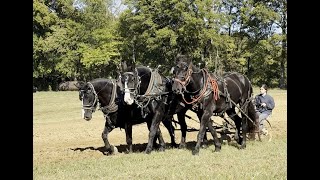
(89, 98)
(128, 81)
(182, 73)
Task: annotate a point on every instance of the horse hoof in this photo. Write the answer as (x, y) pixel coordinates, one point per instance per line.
(204, 146)
(155, 146)
(217, 149)
(195, 152)
(243, 146)
(147, 151)
(182, 146)
(110, 151)
(161, 149)
(239, 141)
(114, 149)
(174, 145)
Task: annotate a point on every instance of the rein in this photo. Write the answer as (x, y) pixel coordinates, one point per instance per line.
(92, 106)
(96, 99)
(154, 91)
(213, 82)
(187, 77)
(112, 106)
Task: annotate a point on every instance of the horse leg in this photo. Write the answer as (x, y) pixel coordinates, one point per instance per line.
(213, 131)
(183, 126)
(245, 127)
(237, 121)
(241, 137)
(128, 129)
(161, 141)
(153, 131)
(156, 136)
(109, 148)
(205, 139)
(203, 124)
(254, 116)
(167, 123)
(232, 114)
(244, 132)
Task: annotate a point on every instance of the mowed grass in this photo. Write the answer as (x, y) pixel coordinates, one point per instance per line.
(68, 147)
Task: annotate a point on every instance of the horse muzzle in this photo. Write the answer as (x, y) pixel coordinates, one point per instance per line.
(128, 98)
(177, 88)
(87, 114)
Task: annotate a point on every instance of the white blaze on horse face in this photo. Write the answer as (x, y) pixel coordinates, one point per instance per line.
(82, 110)
(127, 96)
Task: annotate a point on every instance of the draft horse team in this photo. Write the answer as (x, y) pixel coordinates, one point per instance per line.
(141, 94)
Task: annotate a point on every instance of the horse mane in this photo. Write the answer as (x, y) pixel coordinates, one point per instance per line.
(144, 68)
(100, 80)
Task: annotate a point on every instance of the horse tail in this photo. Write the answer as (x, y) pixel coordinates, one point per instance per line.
(249, 108)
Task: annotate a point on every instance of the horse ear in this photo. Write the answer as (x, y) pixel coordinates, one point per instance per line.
(79, 84)
(123, 66)
(119, 83)
(171, 70)
(177, 58)
(119, 68)
(132, 67)
(127, 66)
(182, 57)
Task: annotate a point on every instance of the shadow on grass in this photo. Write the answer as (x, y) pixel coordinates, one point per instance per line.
(122, 148)
(139, 148)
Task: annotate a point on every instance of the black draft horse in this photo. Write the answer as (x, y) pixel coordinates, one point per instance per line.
(216, 95)
(107, 94)
(152, 93)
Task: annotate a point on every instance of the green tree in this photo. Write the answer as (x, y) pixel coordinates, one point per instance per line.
(73, 40)
(154, 32)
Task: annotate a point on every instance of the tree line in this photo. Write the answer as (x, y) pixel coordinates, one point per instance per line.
(87, 39)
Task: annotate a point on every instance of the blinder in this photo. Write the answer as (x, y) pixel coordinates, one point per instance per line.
(94, 104)
(135, 80)
(183, 78)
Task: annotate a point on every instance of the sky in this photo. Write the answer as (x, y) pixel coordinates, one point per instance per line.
(118, 6)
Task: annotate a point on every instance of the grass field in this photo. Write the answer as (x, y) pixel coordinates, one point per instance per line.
(65, 146)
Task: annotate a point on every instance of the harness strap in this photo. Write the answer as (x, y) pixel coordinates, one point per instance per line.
(154, 86)
(214, 85)
(93, 106)
(150, 84)
(206, 89)
(112, 106)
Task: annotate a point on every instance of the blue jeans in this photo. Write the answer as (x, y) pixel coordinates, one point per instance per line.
(262, 118)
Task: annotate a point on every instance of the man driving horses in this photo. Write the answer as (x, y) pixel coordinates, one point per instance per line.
(264, 105)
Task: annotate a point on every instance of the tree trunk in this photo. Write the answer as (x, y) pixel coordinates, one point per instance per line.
(282, 84)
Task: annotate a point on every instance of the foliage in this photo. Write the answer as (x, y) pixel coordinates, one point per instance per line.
(83, 39)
